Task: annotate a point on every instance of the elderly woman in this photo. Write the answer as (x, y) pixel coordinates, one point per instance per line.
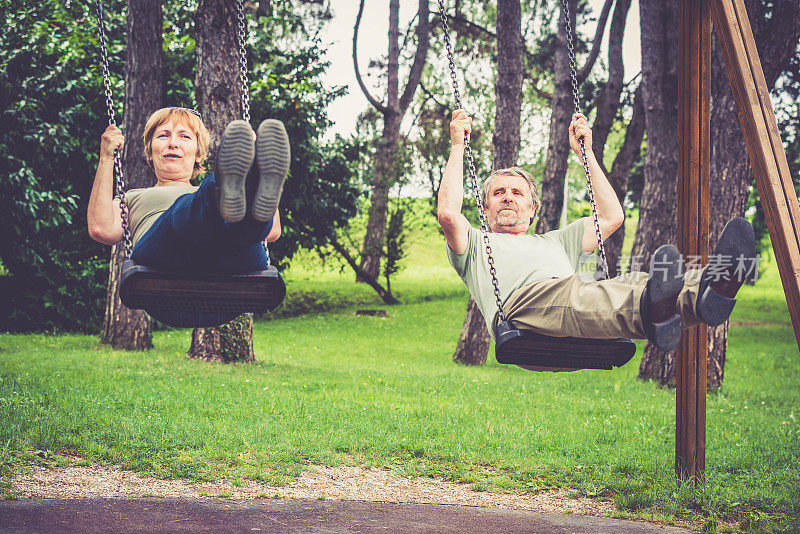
(219, 226)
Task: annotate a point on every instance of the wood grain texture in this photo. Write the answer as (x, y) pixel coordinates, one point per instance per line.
(694, 156)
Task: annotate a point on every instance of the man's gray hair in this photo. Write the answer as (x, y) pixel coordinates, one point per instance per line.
(514, 171)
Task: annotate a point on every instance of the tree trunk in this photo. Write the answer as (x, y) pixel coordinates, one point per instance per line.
(123, 328)
(230, 343)
(393, 111)
(473, 343)
(508, 84)
(219, 96)
(555, 168)
(144, 93)
(607, 101)
(217, 86)
(607, 104)
(657, 210)
(384, 177)
(624, 161)
(562, 107)
(658, 365)
(731, 173)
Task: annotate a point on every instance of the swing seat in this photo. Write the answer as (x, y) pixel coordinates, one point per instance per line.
(524, 347)
(185, 299)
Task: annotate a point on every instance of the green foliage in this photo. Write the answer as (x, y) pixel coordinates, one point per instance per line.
(50, 93)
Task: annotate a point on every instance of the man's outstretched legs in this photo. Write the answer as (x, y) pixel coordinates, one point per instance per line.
(638, 305)
(604, 309)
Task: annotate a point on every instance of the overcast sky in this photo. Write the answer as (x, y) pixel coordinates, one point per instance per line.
(373, 42)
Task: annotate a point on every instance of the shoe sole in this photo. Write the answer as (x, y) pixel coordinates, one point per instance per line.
(737, 240)
(235, 157)
(273, 157)
(664, 286)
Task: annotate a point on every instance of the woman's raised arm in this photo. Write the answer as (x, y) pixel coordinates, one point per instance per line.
(104, 215)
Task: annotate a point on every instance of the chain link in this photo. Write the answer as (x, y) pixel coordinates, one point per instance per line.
(471, 161)
(245, 86)
(120, 182)
(242, 35)
(602, 262)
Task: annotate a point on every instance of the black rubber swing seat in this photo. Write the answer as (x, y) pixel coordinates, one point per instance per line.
(159, 292)
(524, 347)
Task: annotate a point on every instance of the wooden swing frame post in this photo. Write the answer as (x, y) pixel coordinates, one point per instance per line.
(694, 159)
(773, 180)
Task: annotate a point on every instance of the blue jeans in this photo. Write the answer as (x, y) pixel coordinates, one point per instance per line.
(191, 236)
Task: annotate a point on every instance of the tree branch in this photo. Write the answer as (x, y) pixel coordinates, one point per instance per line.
(377, 105)
(776, 52)
(583, 73)
(607, 101)
(386, 296)
(632, 145)
(469, 27)
(541, 93)
(264, 8)
(431, 96)
(423, 42)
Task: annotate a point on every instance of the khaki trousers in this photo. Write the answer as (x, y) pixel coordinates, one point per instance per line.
(605, 309)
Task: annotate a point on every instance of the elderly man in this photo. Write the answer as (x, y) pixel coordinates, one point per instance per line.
(537, 278)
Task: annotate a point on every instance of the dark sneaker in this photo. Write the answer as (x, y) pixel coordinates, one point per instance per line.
(661, 322)
(234, 159)
(272, 158)
(733, 261)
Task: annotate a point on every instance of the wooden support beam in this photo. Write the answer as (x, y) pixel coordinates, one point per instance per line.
(764, 145)
(694, 160)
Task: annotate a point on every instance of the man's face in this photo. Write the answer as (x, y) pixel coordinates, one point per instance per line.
(508, 205)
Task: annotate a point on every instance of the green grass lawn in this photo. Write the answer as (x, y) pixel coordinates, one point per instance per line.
(335, 388)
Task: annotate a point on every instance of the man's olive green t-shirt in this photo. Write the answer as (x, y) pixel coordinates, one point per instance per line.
(146, 205)
(519, 260)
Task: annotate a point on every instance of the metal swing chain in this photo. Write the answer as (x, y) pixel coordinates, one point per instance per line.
(472, 172)
(242, 35)
(601, 251)
(242, 38)
(120, 182)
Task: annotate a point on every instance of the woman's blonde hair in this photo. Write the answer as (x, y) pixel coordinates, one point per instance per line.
(185, 116)
(514, 171)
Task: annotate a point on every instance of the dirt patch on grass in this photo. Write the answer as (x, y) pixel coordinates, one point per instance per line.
(737, 324)
(316, 482)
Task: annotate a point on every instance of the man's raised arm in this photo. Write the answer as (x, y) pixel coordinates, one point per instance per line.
(451, 190)
(610, 214)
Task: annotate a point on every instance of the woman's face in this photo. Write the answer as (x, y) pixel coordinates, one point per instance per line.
(174, 151)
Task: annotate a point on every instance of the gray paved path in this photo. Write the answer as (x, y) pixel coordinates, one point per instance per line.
(88, 516)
